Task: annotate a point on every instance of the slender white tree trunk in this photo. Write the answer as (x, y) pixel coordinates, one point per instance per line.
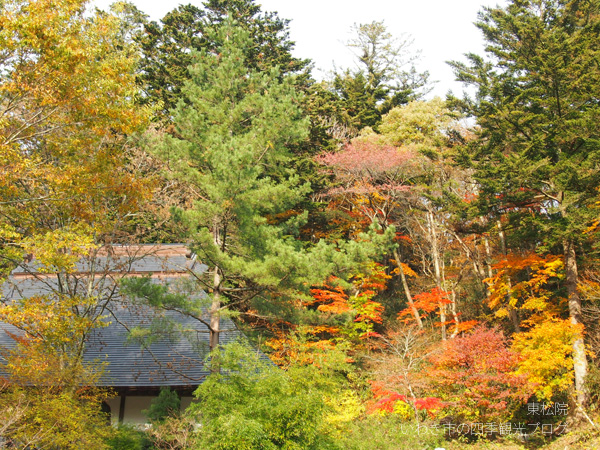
(437, 267)
(409, 299)
(579, 356)
(215, 307)
(571, 281)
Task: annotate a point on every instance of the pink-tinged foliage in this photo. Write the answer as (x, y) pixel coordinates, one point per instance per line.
(367, 188)
(371, 176)
(364, 158)
(476, 375)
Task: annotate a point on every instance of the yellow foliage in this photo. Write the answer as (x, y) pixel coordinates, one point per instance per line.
(59, 250)
(67, 103)
(589, 289)
(405, 268)
(67, 419)
(297, 350)
(546, 355)
(404, 410)
(345, 408)
(49, 320)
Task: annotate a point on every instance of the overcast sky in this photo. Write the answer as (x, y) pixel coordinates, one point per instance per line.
(442, 29)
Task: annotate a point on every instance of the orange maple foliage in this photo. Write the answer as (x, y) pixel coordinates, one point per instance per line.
(468, 325)
(405, 268)
(525, 282)
(427, 302)
(403, 237)
(331, 299)
(367, 312)
(386, 400)
(430, 301)
(290, 350)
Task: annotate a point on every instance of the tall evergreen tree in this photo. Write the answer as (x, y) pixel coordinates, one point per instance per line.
(231, 138)
(538, 150)
(167, 47)
(167, 53)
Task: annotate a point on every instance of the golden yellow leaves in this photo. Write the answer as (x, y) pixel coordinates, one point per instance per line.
(59, 250)
(67, 103)
(530, 283)
(299, 349)
(51, 319)
(546, 355)
(50, 338)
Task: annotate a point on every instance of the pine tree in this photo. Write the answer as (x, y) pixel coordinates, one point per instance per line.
(232, 133)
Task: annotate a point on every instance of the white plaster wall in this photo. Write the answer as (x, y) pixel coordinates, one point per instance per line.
(114, 403)
(134, 405)
(187, 401)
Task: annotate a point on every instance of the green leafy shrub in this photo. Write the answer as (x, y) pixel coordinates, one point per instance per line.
(377, 432)
(166, 404)
(252, 404)
(127, 437)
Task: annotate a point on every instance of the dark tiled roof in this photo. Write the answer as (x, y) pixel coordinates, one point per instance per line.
(174, 357)
(149, 258)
